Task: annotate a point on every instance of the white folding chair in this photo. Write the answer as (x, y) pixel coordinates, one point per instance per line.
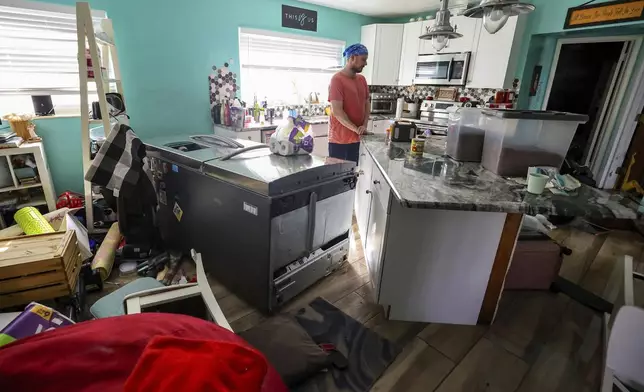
(623, 342)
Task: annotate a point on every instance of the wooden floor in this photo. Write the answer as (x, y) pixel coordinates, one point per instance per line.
(540, 341)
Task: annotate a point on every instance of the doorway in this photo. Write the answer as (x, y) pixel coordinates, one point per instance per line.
(585, 81)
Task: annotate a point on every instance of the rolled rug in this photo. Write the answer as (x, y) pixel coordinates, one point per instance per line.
(104, 259)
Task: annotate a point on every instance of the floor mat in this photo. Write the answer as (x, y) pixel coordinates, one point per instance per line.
(368, 354)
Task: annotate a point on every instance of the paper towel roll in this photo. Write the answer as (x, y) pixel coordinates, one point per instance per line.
(286, 148)
(400, 103)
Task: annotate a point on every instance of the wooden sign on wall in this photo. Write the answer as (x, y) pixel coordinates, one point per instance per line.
(605, 13)
(299, 18)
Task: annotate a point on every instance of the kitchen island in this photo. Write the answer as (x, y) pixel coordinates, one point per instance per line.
(439, 234)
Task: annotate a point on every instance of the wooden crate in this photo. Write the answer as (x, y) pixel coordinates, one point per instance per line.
(38, 267)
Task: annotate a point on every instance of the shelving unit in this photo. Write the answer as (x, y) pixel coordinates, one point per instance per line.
(102, 43)
(48, 197)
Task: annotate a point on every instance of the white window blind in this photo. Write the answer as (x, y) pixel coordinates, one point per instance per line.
(285, 68)
(38, 56)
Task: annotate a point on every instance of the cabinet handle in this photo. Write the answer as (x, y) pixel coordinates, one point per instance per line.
(376, 182)
(363, 154)
(368, 192)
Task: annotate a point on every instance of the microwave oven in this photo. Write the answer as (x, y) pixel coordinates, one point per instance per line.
(443, 69)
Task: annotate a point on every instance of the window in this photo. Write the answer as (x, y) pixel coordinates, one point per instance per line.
(38, 56)
(286, 68)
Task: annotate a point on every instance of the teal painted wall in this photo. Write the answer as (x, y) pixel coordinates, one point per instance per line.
(62, 141)
(166, 50)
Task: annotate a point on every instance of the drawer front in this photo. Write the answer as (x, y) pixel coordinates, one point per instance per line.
(310, 271)
(380, 187)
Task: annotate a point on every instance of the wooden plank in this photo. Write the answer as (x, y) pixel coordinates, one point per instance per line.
(418, 368)
(524, 326)
(401, 332)
(247, 322)
(20, 250)
(33, 267)
(453, 341)
(571, 359)
(486, 368)
(31, 281)
(72, 275)
(334, 287)
(356, 251)
(219, 290)
(234, 308)
(355, 306)
(40, 294)
(618, 244)
(585, 247)
(500, 268)
(70, 248)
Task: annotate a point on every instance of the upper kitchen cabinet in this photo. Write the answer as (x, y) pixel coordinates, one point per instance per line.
(409, 53)
(494, 61)
(469, 27)
(384, 42)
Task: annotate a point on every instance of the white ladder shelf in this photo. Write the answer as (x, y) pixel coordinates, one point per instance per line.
(100, 65)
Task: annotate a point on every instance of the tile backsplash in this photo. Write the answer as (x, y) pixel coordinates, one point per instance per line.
(422, 92)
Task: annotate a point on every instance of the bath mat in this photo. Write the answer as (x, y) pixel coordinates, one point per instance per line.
(367, 353)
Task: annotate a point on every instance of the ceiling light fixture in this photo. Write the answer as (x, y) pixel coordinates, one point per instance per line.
(441, 32)
(495, 13)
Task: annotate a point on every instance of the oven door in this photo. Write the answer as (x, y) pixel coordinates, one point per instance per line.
(382, 106)
(442, 69)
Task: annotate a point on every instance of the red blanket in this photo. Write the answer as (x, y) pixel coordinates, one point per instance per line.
(142, 352)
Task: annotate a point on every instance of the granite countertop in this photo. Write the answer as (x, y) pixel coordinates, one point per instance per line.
(437, 181)
(250, 127)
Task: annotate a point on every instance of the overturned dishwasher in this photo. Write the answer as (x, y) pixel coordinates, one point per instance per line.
(267, 226)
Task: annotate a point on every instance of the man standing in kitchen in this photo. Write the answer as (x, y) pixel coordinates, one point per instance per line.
(350, 107)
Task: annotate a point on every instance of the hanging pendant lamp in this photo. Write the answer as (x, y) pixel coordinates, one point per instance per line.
(442, 31)
(495, 13)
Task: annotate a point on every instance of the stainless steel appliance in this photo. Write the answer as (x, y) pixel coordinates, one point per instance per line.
(434, 115)
(267, 226)
(410, 110)
(403, 131)
(382, 103)
(442, 69)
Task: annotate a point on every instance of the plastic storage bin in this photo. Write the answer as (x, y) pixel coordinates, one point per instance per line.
(518, 139)
(465, 135)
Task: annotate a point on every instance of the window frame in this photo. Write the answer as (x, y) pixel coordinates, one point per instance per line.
(299, 37)
(64, 110)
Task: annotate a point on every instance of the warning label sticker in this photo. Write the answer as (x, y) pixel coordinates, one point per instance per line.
(178, 212)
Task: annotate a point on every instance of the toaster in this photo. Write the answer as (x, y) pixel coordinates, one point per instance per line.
(404, 131)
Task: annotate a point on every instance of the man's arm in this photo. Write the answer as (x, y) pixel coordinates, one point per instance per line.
(367, 110)
(338, 112)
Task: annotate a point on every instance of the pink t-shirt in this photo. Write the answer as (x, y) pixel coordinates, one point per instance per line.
(354, 94)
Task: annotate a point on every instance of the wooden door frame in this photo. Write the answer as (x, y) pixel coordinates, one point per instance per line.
(604, 167)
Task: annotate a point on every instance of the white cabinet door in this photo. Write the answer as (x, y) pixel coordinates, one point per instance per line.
(426, 45)
(467, 27)
(321, 146)
(490, 68)
(409, 53)
(363, 198)
(384, 42)
(375, 242)
(387, 55)
(368, 39)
